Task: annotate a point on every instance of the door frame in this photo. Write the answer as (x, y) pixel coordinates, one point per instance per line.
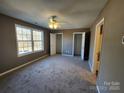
(101, 22)
(82, 43)
(62, 42)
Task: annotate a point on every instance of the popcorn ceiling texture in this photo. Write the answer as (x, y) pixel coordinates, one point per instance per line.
(72, 13)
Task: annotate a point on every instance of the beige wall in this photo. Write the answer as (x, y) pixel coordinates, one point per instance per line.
(112, 56)
(68, 39)
(8, 46)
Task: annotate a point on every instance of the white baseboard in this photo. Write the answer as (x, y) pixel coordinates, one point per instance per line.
(18, 67)
(90, 66)
(98, 89)
(67, 55)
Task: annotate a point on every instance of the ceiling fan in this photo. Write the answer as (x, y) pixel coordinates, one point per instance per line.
(54, 23)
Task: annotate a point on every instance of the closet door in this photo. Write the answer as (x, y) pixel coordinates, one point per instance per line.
(52, 44)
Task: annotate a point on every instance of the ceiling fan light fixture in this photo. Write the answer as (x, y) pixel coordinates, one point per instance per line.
(53, 24)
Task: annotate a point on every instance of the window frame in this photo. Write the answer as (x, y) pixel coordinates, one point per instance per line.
(32, 41)
(42, 40)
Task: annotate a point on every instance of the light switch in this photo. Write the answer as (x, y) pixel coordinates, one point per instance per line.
(123, 40)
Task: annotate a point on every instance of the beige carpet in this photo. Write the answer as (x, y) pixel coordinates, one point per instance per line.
(56, 74)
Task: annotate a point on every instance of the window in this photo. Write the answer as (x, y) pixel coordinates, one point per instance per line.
(38, 40)
(24, 40)
(29, 40)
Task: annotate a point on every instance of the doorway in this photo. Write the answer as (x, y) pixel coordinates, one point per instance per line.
(98, 47)
(78, 44)
(58, 43)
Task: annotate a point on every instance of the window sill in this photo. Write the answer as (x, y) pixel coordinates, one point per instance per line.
(28, 53)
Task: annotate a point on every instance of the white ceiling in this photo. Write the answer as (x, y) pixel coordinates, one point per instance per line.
(72, 13)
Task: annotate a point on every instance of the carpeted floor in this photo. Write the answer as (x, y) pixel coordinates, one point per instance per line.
(56, 74)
